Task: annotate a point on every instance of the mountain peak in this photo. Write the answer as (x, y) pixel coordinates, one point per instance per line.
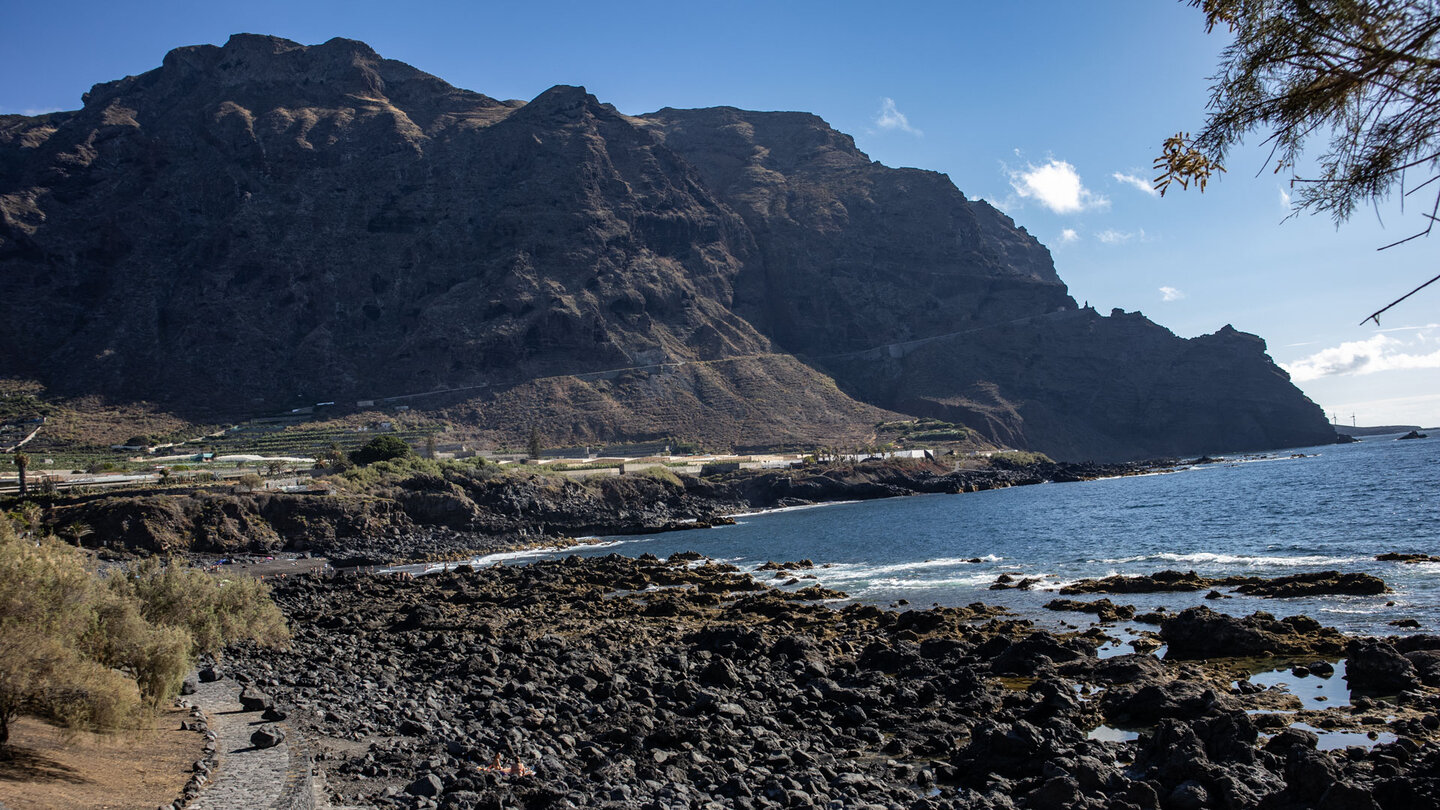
(260, 223)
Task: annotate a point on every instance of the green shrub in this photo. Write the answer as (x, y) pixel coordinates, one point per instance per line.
(48, 628)
(662, 474)
(1015, 459)
(381, 448)
(214, 611)
(93, 652)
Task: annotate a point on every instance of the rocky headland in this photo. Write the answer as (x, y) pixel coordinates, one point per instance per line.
(467, 510)
(262, 224)
(619, 682)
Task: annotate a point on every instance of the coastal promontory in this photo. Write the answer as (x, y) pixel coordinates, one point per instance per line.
(260, 225)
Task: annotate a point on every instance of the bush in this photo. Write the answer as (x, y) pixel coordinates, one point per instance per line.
(1017, 459)
(381, 448)
(93, 652)
(662, 474)
(49, 632)
(212, 610)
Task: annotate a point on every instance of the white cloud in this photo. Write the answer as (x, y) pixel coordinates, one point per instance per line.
(31, 112)
(892, 118)
(1378, 353)
(1057, 186)
(1171, 294)
(1110, 236)
(1285, 199)
(1069, 235)
(1136, 182)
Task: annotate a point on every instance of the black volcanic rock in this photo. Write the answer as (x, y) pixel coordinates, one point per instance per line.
(264, 224)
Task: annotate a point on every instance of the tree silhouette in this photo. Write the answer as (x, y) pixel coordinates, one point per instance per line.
(1363, 73)
(22, 463)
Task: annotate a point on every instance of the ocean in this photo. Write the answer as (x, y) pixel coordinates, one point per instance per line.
(1301, 510)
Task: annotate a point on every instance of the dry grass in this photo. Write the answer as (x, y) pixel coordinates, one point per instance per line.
(54, 768)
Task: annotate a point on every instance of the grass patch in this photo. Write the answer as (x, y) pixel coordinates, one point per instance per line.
(1016, 459)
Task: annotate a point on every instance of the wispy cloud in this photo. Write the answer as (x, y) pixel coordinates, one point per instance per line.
(1284, 199)
(1137, 182)
(1057, 186)
(33, 111)
(1110, 236)
(1171, 294)
(1410, 328)
(1069, 235)
(1377, 353)
(891, 118)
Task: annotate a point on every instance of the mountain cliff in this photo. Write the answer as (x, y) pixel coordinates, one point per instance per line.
(264, 224)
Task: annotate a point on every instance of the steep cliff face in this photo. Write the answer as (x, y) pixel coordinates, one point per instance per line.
(263, 224)
(1077, 385)
(853, 254)
(282, 222)
(921, 301)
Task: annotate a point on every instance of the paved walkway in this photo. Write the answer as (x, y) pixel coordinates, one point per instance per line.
(247, 777)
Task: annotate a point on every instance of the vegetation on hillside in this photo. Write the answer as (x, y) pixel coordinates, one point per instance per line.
(1018, 459)
(381, 448)
(96, 651)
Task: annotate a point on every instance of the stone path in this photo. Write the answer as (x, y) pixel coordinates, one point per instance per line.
(247, 777)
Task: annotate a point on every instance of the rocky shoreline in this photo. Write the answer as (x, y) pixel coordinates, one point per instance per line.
(479, 511)
(645, 683)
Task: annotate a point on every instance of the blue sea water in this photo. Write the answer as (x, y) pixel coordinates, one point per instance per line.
(1310, 509)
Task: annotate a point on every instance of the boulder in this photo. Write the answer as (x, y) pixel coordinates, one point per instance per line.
(253, 700)
(1148, 704)
(428, 785)
(1105, 610)
(1427, 666)
(267, 736)
(1374, 667)
(1200, 632)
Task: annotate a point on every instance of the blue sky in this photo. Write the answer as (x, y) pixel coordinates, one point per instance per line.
(1047, 109)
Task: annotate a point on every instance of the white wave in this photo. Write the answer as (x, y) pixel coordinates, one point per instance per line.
(848, 572)
(487, 560)
(1248, 560)
(777, 510)
(897, 583)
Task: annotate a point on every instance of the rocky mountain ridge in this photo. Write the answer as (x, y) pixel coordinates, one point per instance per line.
(262, 225)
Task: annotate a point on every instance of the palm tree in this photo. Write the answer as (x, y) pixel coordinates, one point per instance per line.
(22, 462)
